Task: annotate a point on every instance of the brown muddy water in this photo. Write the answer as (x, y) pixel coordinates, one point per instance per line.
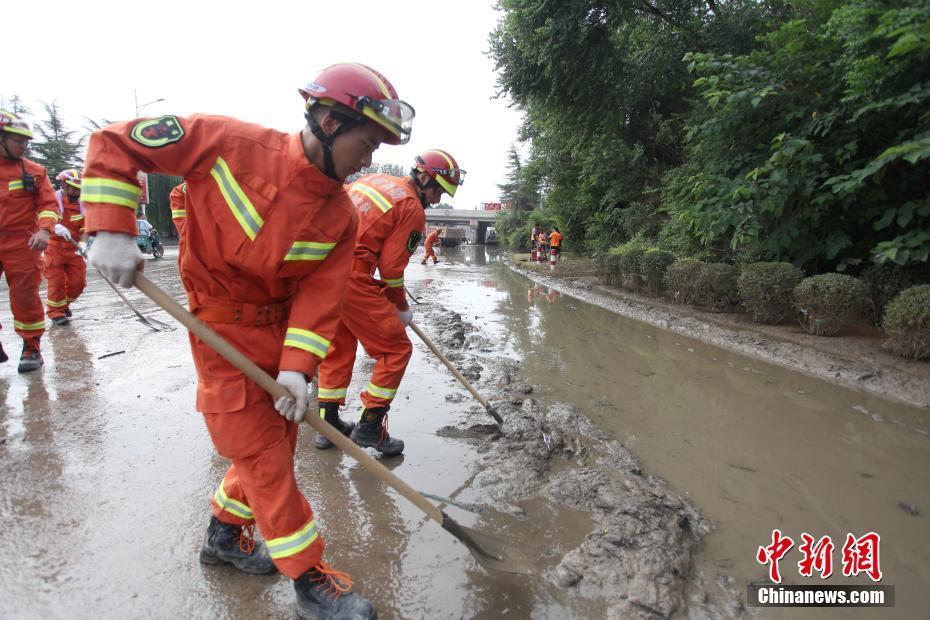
(107, 470)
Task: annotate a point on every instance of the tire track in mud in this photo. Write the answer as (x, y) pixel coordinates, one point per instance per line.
(636, 560)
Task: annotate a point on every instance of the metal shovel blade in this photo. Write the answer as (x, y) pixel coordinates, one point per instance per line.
(489, 552)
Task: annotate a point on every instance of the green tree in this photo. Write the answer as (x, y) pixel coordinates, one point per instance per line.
(55, 147)
(814, 148)
(158, 210)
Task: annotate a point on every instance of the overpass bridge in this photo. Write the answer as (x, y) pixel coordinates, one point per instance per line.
(473, 218)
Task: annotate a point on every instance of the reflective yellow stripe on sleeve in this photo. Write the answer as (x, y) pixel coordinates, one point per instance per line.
(372, 194)
(177, 214)
(48, 214)
(309, 250)
(77, 218)
(287, 546)
(393, 282)
(110, 191)
(306, 340)
(240, 205)
(15, 184)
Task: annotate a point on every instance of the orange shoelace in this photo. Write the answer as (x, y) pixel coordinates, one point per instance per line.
(337, 582)
(247, 539)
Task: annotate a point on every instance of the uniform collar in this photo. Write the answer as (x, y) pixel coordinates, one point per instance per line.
(295, 151)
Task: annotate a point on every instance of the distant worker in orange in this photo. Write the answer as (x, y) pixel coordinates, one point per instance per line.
(28, 214)
(555, 243)
(65, 269)
(375, 311)
(266, 251)
(431, 240)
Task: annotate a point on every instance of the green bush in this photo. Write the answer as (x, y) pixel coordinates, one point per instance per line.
(716, 287)
(629, 262)
(653, 265)
(830, 301)
(681, 278)
(887, 280)
(766, 290)
(907, 323)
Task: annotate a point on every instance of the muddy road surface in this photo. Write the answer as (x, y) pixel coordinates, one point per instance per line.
(639, 470)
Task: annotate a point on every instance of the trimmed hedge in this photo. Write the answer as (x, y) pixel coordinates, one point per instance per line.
(652, 268)
(829, 302)
(765, 290)
(681, 278)
(717, 287)
(907, 323)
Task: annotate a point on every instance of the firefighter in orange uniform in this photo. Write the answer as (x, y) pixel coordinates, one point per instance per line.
(375, 311)
(431, 240)
(65, 269)
(28, 215)
(178, 200)
(265, 254)
(555, 243)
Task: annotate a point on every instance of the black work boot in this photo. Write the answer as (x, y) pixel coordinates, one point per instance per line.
(330, 413)
(234, 544)
(3, 356)
(31, 359)
(324, 594)
(61, 320)
(371, 432)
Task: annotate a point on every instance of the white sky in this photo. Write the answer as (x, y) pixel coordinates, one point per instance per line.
(247, 59)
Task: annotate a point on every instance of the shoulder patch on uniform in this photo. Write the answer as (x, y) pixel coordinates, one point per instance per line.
(157, 132)
(414, 241)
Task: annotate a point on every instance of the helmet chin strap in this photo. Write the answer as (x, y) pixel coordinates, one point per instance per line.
(422, 187)
(326, 140)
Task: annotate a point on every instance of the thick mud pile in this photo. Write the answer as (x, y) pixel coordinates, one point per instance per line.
(637, 559)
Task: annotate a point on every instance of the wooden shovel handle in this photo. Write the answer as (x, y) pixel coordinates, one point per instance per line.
(276, 390)
(455, 371)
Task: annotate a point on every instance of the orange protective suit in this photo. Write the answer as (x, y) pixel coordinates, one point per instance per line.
(22, 213)
(431, 240)
(265, 254)
(178, 200)
(391, 221)
(65, 269)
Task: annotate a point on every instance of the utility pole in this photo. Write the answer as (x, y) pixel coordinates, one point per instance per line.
(135, 96)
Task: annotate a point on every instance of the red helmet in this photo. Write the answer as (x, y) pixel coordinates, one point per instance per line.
(71, 176)
(443, 168)
(11, 123)
(365, 92)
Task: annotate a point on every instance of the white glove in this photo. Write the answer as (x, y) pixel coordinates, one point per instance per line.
(62, 231)
(117, 257)
(405, 316)
(293, 408)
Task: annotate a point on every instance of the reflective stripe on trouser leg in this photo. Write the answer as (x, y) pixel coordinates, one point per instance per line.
(372, 319)
(76, 277)
(24, 274)
(57, 297)
(229, 502)
(261, 445)
(336, 369)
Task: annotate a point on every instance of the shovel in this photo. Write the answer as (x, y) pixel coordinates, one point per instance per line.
(153, 323)
(489, 552)
(455, 371)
